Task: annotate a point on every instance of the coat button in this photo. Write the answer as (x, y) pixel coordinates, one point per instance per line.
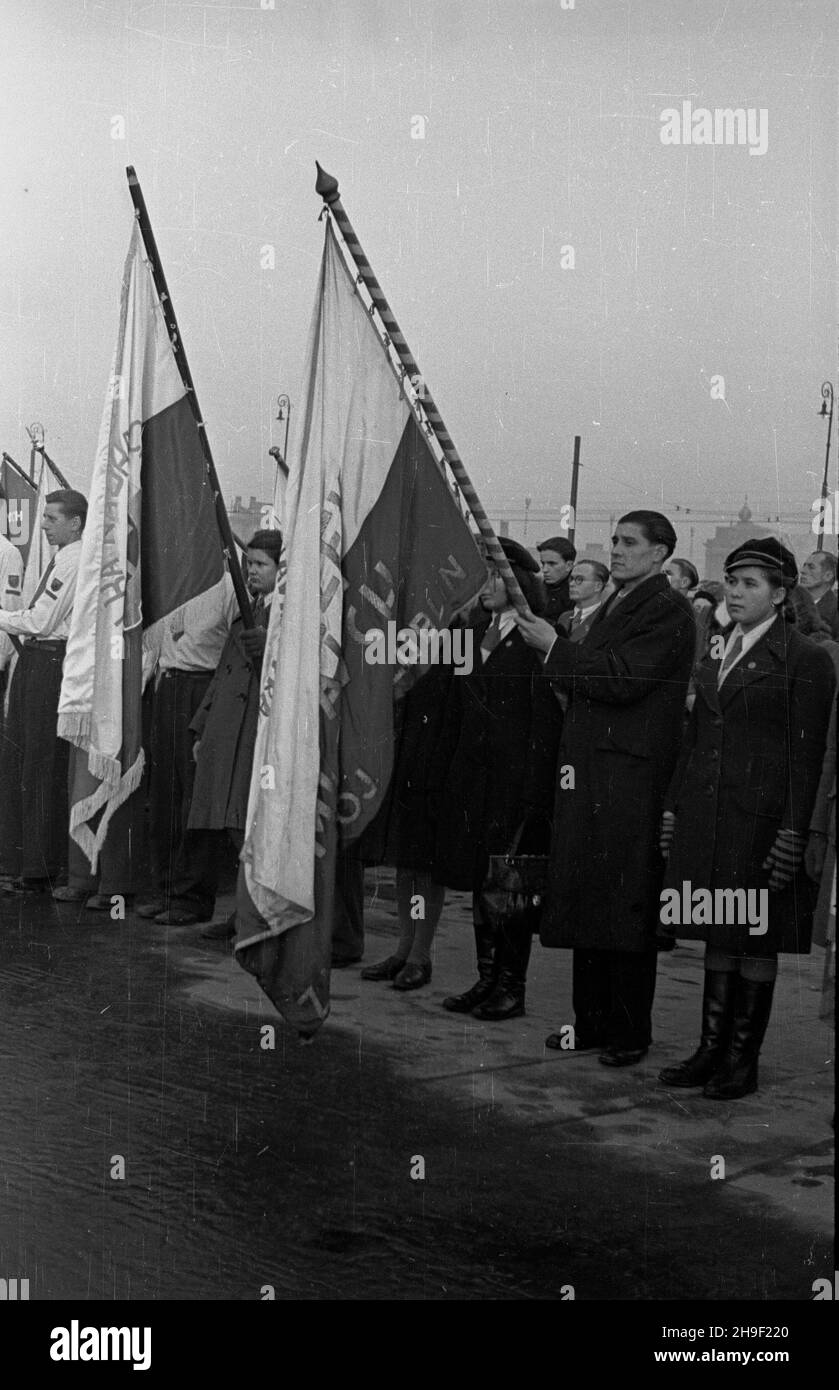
(709, 790)
(424, 719)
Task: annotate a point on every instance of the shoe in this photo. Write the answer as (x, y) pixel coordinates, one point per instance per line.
(485, 940)
(622, 1056)
(221, 931)
(151, 908)
(737, 1076)
(70, 895)
(386, 969)
(181, 917)
(717, 1008)
(505, 1001)
(413, 975)
(512, 957)
(341, 962)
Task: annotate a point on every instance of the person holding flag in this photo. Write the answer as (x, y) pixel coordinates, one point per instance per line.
(33, 759)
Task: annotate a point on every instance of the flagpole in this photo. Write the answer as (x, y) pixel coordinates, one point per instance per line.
(55, 470)
(166, 305)
(327, 187)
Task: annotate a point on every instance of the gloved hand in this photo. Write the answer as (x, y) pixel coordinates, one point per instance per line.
(666, 833)
(814, 854)
(784, 858)
(252, 641)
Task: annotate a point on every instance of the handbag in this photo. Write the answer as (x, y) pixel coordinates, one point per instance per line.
(516, 884)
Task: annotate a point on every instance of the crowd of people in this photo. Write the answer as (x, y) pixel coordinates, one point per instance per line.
(663, 747)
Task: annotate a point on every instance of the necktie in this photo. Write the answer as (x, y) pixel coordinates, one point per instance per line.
(730, 658)
(576, 619)
(42, 583)
(492, 637)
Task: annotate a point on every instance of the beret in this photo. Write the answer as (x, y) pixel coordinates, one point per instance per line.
(518, 555)
(769, 553)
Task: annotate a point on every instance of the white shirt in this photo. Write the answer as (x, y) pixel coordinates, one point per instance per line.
(195, 634)
(49, 614)
(750, 639)
(506, 621)
(11, 583)
(580, 614)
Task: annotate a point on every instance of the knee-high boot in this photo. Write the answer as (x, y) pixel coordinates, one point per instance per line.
(485, 939)
(737, 1076)
(717, 1013)
(507, 999)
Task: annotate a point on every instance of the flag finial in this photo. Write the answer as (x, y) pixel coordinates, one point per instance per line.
(326, 185)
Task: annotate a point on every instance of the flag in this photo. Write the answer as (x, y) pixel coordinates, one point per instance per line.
(19, 497)
(373, 535)
(151, 543)
(36, 558)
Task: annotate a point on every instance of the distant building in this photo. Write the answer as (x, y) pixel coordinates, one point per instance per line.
(245, 520)
(726, 538)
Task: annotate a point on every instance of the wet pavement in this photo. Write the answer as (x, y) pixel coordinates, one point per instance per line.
(246, 1167)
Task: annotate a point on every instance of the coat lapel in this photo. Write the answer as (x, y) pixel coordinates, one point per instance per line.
(612, 615)
(765, 658)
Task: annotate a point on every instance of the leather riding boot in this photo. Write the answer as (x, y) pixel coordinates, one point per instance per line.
(507, 999)
(737, 1076)
(485, 935)
(717, 1013)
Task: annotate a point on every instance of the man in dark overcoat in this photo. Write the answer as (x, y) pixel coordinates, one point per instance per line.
(626, 685)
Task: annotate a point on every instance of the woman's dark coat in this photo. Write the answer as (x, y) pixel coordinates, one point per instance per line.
(495, 760)
(403, 833)
(225, 722)
(750, 766)
(626, 684)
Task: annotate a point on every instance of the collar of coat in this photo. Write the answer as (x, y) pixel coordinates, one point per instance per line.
(769, 656)
(620, 608)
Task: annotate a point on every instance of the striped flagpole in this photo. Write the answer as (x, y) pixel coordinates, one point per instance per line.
(327, 187)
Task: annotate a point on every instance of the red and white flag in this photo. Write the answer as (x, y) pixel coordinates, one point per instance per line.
(151, 543)
(373, 536)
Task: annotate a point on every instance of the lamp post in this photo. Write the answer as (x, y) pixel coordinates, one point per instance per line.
(826, 411)
(284, 414)
(527, 501)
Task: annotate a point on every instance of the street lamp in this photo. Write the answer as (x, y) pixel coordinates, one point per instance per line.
(284, 413)
(527, 501)
(826, 411)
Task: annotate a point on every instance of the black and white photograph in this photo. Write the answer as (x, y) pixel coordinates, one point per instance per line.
(419, 648)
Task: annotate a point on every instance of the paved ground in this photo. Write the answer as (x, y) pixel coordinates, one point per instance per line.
(292, 1168)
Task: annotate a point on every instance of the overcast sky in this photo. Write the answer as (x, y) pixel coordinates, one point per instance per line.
(542, 131)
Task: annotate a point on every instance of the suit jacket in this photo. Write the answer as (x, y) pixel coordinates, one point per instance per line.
(627, 684)
(829, 612)
(495, 760)
(581, 631)
(749, 767)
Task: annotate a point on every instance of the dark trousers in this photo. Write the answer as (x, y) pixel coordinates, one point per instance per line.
(34, 809)
(348, 911)
(613, 996)
(184, 863)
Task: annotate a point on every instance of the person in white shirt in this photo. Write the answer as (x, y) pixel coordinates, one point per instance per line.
(11, 582)
(34, 761)
(184, 866)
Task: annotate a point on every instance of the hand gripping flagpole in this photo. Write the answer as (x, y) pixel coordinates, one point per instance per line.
(174, 332)
(327, 187)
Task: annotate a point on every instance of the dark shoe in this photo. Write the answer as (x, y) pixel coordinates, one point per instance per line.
(737, 1075)
(18, 886)
(181, 917)
(485, 938)
(506, 1000)
(717, 1009)
(622, 1056)
(151, 908)
(386, 969)
(103, 902)
(70, 895)
(341, 962)
(413, 975)
(221, 931)
(582, 1043)
(465, 1003)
